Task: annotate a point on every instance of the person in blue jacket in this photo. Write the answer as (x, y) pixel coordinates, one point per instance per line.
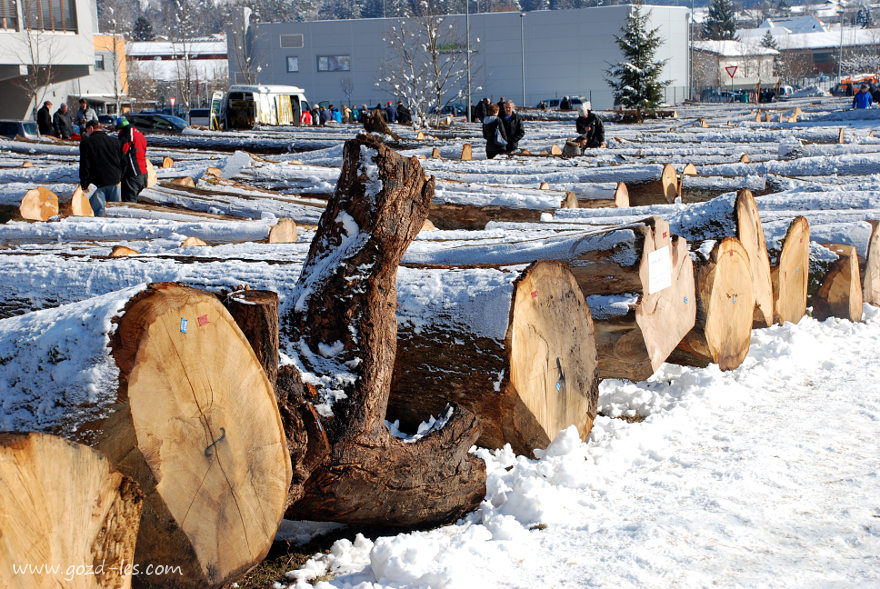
(862, 99)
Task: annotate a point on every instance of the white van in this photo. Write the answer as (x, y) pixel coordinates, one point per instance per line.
(245, 106)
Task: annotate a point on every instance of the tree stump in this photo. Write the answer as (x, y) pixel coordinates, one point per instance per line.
(527, 369)
(725, 305)
(344, 330)
(375, 123)
(62, 504)
(835, 286)
(256, 314)
(789, 271)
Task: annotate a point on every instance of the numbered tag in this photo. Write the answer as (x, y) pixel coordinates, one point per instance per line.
(659, 270)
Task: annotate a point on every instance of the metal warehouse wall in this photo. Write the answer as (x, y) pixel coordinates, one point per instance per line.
(565, 52)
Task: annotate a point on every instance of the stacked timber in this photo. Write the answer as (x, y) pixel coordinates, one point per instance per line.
(655, 190)
(514, 346)
(703, 188)
(597, 195)
(164, 405)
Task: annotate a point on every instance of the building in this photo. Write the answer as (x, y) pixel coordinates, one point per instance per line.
(105, 83)
(42, 42)
(750, 64)
(527, 57)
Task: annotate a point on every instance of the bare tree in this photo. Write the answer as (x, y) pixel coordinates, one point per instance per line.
(426, 67)
(347, 87)
(38, 52)
(141, 85)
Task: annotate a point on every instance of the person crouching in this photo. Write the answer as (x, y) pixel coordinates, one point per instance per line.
(100, 163)
(134, 159)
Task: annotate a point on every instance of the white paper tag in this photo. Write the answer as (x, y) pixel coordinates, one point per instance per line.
(659, 270)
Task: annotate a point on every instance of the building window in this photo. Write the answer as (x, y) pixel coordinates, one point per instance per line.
(8, 14)
(99, 62)
(291, 41)
(334, 63)
(49, 15)
(292, 64)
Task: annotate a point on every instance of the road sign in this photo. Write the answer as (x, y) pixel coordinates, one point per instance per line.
(171, 100)
(731, 69)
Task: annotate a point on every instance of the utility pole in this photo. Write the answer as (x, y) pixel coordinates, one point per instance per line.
(467, 27)
(522, 44)
(840, 56)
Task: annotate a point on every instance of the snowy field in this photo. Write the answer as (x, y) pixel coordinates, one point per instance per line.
(764, 476)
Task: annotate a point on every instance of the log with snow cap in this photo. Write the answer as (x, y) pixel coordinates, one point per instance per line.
(639, 275)
(514, 345)
(342, 330)
(157, 379)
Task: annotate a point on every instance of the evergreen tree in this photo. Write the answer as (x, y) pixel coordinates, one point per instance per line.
(769, 41)
(636, 83)
(143, 30)
(720, 24)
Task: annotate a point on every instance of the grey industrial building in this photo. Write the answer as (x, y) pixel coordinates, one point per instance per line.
(527, 57)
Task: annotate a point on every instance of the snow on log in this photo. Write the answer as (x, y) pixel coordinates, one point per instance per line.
(725, 305)
(38, 204)
(835, 288)
(343, 332)
(871, 268)
(703, 188)
(789, 271)
(63, 505)
(516, 347)
(164, 402)
(599, 195)
(659, 191)
(646, 298)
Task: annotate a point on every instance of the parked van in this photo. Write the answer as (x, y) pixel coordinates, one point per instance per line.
(246, 106)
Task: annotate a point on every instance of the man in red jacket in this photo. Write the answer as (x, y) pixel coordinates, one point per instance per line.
(134, 158)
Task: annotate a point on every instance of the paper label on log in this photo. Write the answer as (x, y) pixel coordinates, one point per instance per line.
(659, 270)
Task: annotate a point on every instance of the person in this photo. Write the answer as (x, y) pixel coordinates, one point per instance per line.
(63, 122)
(575, 146)
(874, 89)
(306, 118)
(355, 114)
(565, 104)
(481, 110)
(334, 112)
(589, 125)
(326, 115)
(100, 163)
(390, 113)
(862, 99)
(346, 114)
(44, 119)
(316, 115)
(493, 132)
(513, 126)
(501, 104)
(84, 115)
(134, 159)
(404, 116)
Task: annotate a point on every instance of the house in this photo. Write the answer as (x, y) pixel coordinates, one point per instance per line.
(105, 83)
(750, 63)
(527, 57)
(43, 42)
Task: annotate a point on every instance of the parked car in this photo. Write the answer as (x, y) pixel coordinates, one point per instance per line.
(157, 123)
(26, 129)
(454, 109)
(107, 120)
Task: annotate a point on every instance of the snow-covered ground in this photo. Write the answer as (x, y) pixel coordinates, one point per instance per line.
(765, 476)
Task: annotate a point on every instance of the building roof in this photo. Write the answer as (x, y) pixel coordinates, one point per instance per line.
(733, 48)
(795, 24)
(160, 49)
(829, 39)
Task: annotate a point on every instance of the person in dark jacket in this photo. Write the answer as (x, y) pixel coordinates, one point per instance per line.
(565, 104)
(404, 116)
(513, 126)
(390, 113)
(494, 133)
(481, 110)
(63, 122)
(134, 160)
(44, 119)
(100, 163)
(590, 126)
(862, 99)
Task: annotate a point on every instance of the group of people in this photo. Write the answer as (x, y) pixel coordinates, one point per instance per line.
(321, 115)
(117, 166)
(503, 128)
(61, 124)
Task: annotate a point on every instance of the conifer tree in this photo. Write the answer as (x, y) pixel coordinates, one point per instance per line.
(720, 24)
(143, 30)
(769, 41)
(636, 82)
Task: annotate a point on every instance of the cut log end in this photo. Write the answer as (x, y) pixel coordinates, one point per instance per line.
(871, 270)
(167, 162)
(38, 204)
(120, 251)
(284, 231)
(791, 274)
(840, 291)
(467, 153)
(751, 235)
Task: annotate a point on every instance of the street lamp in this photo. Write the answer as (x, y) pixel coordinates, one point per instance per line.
(467, 28)
(840, 56)
(522, 45)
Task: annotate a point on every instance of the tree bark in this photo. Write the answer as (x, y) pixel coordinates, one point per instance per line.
(790, 273)
(256, 314)
(835, 287)
(725, 304)
(515, 347)
(652, 192)
(344, 331)
(63, 504)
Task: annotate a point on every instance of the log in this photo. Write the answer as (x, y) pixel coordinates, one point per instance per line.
(750, 232)
(193, 242)
(660, 191)
(593, 196)
(284, 231)
(467, 153)
(835, 284)
(152, 177)
(79, 205)
(515, 347)
(343, 321)
(871, 269)
(725, 305)
(789, 271)
(62, 504)
(164, 403)
(256, 314)
(703, 188)
(38, 204)
(120, 251)
(375, 123)
(183, 181)
(435, 154)
(555, 150)
(167, 162)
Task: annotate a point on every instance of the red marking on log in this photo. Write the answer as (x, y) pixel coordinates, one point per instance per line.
(534, 294)
(665, 233)
(203, 319)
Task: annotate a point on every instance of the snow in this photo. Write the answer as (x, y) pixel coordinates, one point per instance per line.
(763, 476)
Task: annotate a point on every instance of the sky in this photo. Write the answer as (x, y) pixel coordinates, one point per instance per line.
(763, 476)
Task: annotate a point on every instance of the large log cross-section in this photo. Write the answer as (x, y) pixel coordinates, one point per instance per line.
(342, 330)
